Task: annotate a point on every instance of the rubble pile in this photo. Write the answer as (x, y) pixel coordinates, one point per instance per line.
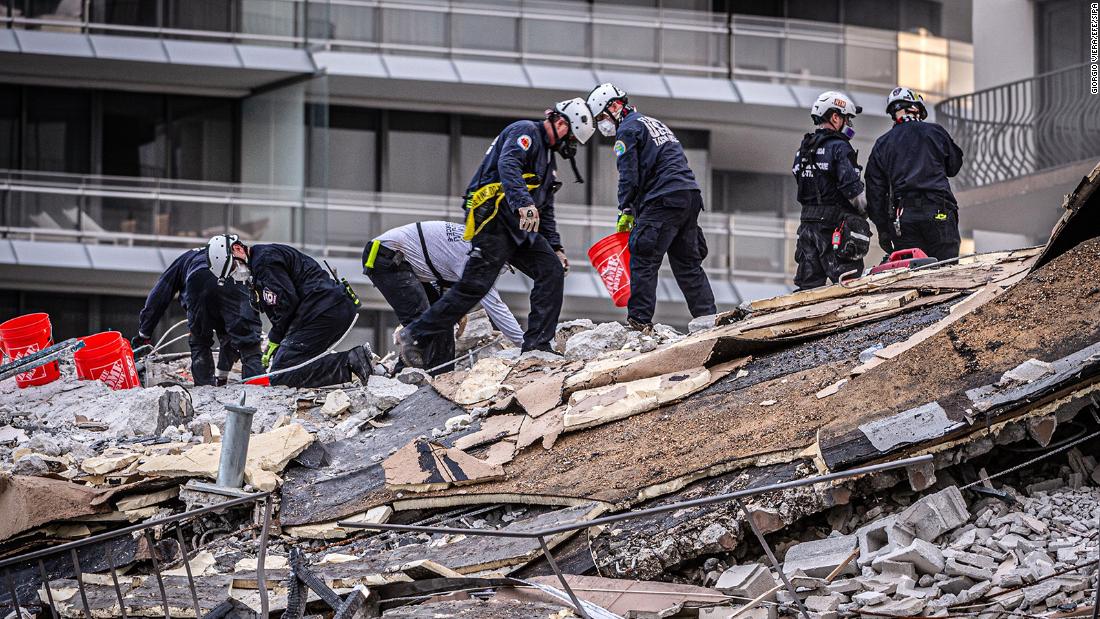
(972, 364)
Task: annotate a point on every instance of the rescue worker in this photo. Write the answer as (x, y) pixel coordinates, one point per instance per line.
(659, 204)
(412, 265)
(510, 220)
(908, 195)
(210, 308)
(833, 234)
(309, 310)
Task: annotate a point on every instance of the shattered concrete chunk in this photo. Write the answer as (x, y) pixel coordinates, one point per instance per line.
(387, 393)
(934, 515)
(336, 403)
(924, 556)
(746, 581)
(819, 558)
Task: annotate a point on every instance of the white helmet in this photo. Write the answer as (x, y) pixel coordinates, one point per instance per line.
(602, 96)
(576, 112)
(219, 253)
(832, 100)
(901, 98)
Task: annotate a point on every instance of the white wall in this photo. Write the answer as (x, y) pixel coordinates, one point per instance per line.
(1004, 41)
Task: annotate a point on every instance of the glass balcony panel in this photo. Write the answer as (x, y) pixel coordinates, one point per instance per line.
(124, 12)
(758, 53)
(353, 22)
(628, 43)
(924, 72)
(697, 48)
(414, 27)
(960, 77)
(493, 33)
(814, 59)
(922, 42)
(211, 15)
(416, 162)
(556, 38)
(865, 64)
(270, 17)
(202, 220)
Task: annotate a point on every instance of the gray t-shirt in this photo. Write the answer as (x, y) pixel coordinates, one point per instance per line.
(449, 254)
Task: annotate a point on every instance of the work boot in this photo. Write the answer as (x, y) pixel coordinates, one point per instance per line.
(646, 328)
(410, 351)
(359, 362)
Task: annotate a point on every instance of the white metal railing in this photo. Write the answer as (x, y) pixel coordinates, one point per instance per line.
(597, 36)
(42, 206)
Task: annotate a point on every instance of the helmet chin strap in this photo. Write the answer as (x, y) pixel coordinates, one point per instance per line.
(563, 146)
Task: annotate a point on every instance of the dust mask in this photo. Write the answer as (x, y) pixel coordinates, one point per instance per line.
(241, 273)
(607, 127)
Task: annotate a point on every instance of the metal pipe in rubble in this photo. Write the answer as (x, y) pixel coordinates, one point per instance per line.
(238, 427)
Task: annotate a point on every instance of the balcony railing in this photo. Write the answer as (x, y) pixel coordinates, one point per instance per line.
(1024, 127)
(162, 213)
(596, 36)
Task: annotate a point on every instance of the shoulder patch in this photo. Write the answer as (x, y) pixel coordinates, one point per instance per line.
(524, 141)
(619, 148)
(270, 298)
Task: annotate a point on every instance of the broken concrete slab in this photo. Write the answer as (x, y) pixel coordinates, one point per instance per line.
(928, 559)
(819, 558)
(933, 515)
(482, 381)
(747, 581)
(268, 454)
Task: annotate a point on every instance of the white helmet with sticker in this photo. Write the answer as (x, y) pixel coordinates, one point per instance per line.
(576, 112)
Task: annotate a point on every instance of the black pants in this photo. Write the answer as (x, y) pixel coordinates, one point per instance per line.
(409, 297)
(815, 257)
(493, 247)
(308, 339)
(223, 310)
(669, 225)
(920, 227)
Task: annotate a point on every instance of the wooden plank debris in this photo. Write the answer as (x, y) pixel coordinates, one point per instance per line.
(28, 502)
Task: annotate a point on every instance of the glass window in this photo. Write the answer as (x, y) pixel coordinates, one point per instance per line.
(414, 27)
(707, 49)
(871, 13)
(134, 135)
(605, 181)
(764, 8)
(923, 72)
(814, 10)
(571, 191)
(125, 12)
(9, 127)
(279, 18)
(615, 42)
(418, 153)
(749, 192)
(868, 64)
(202, 139)
(214, 15)
(58, 130)
(352, 138)
(920, 14)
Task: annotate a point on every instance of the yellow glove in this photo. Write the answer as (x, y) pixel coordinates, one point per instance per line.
(269, 353)
(625, 223)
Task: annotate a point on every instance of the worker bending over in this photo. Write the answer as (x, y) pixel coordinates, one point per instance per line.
(510, 220)
(309, 310)
(211, 309)
(833, 235)
(908, 195)
(412, 265)
(659, 203)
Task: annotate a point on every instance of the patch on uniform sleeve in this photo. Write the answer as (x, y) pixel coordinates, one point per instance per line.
(524, 141)
(270, 298)
(619, 148)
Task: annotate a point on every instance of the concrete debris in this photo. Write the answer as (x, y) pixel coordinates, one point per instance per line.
(702, 322)
(819, 558)
(336, 403)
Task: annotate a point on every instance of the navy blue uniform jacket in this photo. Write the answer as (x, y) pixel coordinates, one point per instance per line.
(829, 177)
(189, 276)
(292, 288)
(650, 160)
(913, 157)
(522, 148)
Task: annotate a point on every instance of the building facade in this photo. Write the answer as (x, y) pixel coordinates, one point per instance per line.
(133, 129)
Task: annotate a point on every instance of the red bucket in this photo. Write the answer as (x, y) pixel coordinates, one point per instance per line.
(611, 258)
(262, 380)
(107, 357)
(25, 335)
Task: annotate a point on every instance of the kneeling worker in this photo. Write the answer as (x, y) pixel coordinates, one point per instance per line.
(412, 265)
(309, 310)
(659, 202)
(833, 235)
(510, 219)
(210, 308)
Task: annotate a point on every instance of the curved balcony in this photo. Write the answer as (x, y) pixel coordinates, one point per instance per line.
(1024, 127)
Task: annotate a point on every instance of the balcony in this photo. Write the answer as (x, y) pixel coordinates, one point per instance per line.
(109, 215)
(673, 43)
